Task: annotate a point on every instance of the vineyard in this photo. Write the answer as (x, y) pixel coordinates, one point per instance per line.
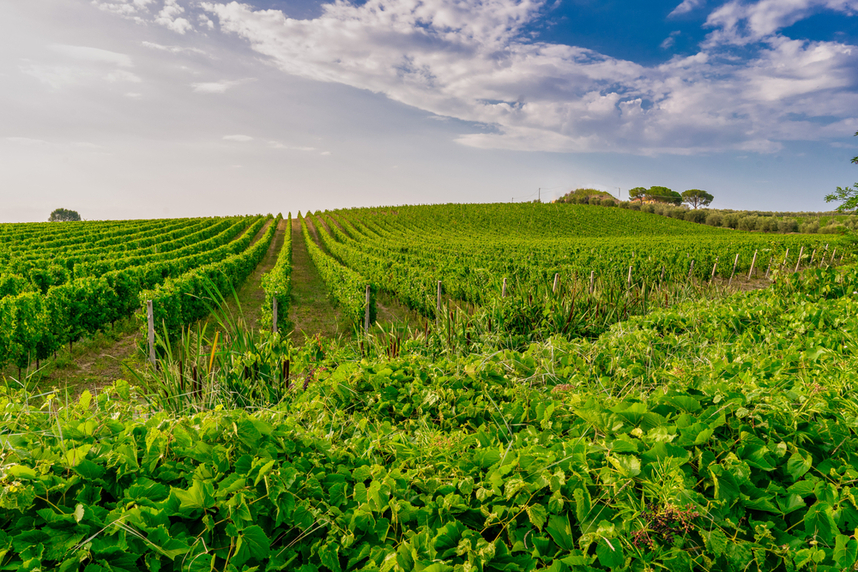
(569, 387)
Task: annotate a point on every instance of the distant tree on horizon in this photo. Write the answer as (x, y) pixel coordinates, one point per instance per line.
(697, 198)
(848, 195)
(663, 195)
(64, 215)
(638, 193)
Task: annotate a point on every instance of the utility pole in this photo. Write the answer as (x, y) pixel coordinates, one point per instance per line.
(539, 195)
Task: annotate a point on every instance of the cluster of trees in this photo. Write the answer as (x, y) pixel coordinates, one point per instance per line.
(694, 198)
(805, 223)
(64, 215)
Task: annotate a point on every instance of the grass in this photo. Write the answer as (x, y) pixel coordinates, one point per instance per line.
(310, 310)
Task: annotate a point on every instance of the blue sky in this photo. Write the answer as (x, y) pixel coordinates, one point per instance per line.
(152, 108)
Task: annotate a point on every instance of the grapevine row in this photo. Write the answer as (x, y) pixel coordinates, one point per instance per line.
(346, 286)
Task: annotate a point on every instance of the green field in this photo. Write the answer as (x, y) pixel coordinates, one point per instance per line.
(558, 387)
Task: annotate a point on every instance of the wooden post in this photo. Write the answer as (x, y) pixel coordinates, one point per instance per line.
(662, 274)
(733, 273)
(503, 289)
(832, 256)
(753, 262)
(150, 315)
(714, 266)
(786, 255)
(629, 279)
(690, 270)
(274, 313)
(812, 256)
(798, 262)
(438, 305)
(592, 277)
(769, 268)
(556, 282)
(366, 311)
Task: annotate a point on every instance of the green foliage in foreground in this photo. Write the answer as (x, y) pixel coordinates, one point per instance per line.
(717, 436)
(848, 197)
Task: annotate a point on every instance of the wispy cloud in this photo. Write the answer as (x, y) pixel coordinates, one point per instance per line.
(122, 75)
(239, 138)
(685, 7)
(26, 141)
(81, 65)
(216, 86)
(132, 9)
(174, 49)
(94, 55)
(279, 145)
(739, 22)
(670, 40)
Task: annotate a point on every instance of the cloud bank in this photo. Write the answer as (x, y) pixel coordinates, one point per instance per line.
(472, 60)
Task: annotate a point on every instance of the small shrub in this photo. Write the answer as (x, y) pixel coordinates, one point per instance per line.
(788, 225)
(767, 224)
(748, 223)
(809, 227)
(625, 205)
(714, 219)
(634, 206)
(696, 215)
(832, 228)
(607, 202)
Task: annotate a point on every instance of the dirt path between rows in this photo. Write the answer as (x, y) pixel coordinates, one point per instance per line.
(311, 311)
(250, 294)
(391, 314)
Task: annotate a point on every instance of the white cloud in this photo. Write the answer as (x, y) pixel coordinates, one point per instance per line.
(81, 65)
(472, 60)
(170, 17)
(279, 145)
(94, 55)
(669, 41)
(173, 49)
(239, 138)
(467, 60)
(130, 9)
(738, 22)
(122, 75)
(685, 7)
(216, 86)
(26, 141)
(54, 76)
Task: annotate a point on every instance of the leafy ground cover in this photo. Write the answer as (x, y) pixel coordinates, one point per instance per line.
(708, 436)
